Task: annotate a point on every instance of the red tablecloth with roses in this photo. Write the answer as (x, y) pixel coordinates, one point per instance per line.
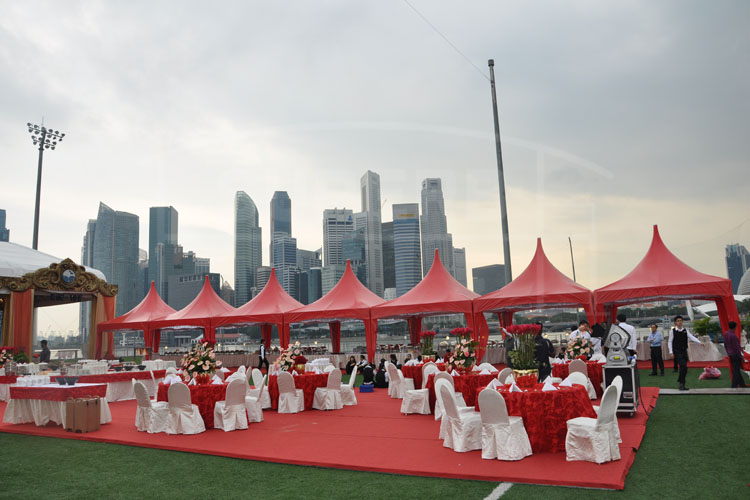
(415, 372)
(545, 414)
(308, 382)
(593, 368)
(465, 384)
(58, 392)
(204, 396)
(109, 377)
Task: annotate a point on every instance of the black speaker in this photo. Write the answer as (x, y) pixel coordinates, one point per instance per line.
(630, 386)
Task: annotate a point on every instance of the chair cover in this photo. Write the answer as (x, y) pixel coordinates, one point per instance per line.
(229, 415)
(459, 398)
(329, 397)
(184, 417)
(503, 437)
(149, 416)
(617, 382)
(594, 439)
(463, 430)
(504, 374)
(265, 398)
(291, 400)
(578, 365)
(253, 404)
(407, 384)
(394, 381)
(347, 390)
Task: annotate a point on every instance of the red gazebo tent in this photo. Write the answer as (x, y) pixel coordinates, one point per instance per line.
(437, 293)
(141, 317)
(201, 312)
(266, 308)
(349, 299)
(540, 285)
(659, 276)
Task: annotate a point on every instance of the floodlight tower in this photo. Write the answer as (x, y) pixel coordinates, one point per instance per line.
(45, 138)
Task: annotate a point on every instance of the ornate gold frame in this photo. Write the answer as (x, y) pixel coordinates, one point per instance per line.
(51, 278)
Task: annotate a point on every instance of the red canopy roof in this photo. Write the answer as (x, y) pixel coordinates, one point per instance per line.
(201, 312)
(349, 299)
(540, 285)
(437, 293)
(151, 308)
(661, 275)
(268, 306)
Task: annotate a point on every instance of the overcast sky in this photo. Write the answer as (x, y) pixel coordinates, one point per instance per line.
(614, 116)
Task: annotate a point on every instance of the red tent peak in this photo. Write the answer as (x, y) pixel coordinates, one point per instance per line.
(437, 266)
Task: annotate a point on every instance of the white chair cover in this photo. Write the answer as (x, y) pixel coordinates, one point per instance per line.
(617, 382)
(184, 417)
(253, 404)
(463, 430)
(458, 397)
(347, 390)
(329, 369)
(504, 374)
(503, 437)
(407, 384)
(418, 400)
(394, 381)
(149, 416)
(594, 439)
(579, 366)
(329, 397)
(229, 415)
(291, 400)
(487, 366)
(265, 398)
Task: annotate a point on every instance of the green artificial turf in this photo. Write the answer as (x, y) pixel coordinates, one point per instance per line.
(669, 380)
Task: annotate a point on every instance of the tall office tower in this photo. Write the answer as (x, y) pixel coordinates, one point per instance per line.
(281, 217)
(309, 258)
(738, 262)
(227, 293)
(459, 265)
(487, 279)
(143, 283)
(285, 262)
(370, 189)
(4, 231)
(330, 276)
(162, 229)
(389, 259)
(247, 247)
(262, 275)
(434, 226)
(406, 249)
(184, 288)
(87, 259)
(302, 289)
(336, 223)
(116, 254)
(314, 284)
(354, 249)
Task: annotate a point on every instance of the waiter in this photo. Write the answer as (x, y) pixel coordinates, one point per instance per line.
(263, 358)
(633, 344)
(678, 346)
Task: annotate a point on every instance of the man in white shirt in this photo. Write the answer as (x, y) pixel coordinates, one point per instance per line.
(621, 322)
(583, 331)
(678, 345)
(262, 357)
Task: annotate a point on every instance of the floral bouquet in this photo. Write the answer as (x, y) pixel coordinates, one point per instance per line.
(5, 356)
(199, 363)
(579, 348)
(288, 358)
(463, 359)
(428, 341)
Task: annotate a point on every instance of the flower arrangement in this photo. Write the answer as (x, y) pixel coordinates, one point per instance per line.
(579, 348)
(463, 359)
(5, 356)
(428, 341)
(523, 356)
(289, 357)
(200, 362)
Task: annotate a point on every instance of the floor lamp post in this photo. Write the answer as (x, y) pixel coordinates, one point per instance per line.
(45, 138)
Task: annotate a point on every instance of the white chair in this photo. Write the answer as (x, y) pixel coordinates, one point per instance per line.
(394, 381)
(598, 357)
(329, 369)
(487, 366)
(156, 386)
(463, 430)
(458, 397)
(149, 416)
(578, 365)
(329, 397)
(347, 390)
(229, 415)
(593, 439)
(258, 380)
(254, 405)
(407, 384)
(184, 417)
(503, 437)
(504, 374)
(424, 367)
(577, 378)
(418, 400)
(617, 382)
(291, 399)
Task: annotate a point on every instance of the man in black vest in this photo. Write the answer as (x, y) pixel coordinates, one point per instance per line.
(263, 358)
(678, 346)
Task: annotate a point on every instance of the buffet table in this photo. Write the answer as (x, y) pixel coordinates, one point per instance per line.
(593, 369)
(46, 403)
(307, 382)
(467, 385)
(204, 396)
(5, 382)
(120, 385)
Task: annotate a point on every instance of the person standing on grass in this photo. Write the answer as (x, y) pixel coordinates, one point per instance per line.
(655, 338)
(734, 351)
(678, 347)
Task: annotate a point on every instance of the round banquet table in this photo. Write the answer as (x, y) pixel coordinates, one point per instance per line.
(204, 396)
(308, 382)
(545, 414)
(593, 368)
(415, 372)
(465, 384)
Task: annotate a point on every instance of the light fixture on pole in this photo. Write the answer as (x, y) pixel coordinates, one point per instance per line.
(45, 138)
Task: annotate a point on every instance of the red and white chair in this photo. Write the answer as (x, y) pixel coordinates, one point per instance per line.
(229, 415)
(184, 417)
(462, 431)
(291, 399)
(347, 390)
(254, 405)
(503, 437)
(149, 416)
(258, 379)
(594, 439)
(329, 397)
(418, 400)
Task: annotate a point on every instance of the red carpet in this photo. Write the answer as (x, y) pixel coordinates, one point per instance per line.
(372, 436)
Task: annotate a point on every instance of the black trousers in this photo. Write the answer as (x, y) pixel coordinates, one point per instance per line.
(681, 359)
(545, 370)
(656, 359)
(263, 361)
(735, 364)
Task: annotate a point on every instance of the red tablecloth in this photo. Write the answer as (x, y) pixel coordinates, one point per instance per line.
(415, 372)
(307, 382)
(205, 396)
(465, 384)
(545, 413)
(58, 392)
(8, 379)
(106, 378)
(594, 369)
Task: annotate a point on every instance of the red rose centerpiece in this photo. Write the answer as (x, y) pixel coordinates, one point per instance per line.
(428, 341)
(291, 358)
(525, 366)
(200, 363)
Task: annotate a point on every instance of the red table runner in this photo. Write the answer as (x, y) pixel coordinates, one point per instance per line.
(58, 392)
(465, 384)
(204, 396)
(307, 382)
(545, 414)
(106, 378)
(415, 372)
(595, 373)
(8, 379)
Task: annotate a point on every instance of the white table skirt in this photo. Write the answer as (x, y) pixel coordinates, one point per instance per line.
(122, 391)
(24, 411)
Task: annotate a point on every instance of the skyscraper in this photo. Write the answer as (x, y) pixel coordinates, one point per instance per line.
(336, 223)
(434, 226)
(162, 228)
(330, 276)
(389, 262)
(738, 262)
(354, 249)
(262, 275)
(285, 262)
(281, 217)
(247, 247)
(487, 279)
(87, 259)
(459, 265)
(370, 190)
(309, 258)
(314, 284)
(406, 249)
(4, 231)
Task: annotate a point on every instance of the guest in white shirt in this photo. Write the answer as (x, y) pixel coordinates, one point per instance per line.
(583, 331)
(678, 345)
(263, 360)
(633, 344)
